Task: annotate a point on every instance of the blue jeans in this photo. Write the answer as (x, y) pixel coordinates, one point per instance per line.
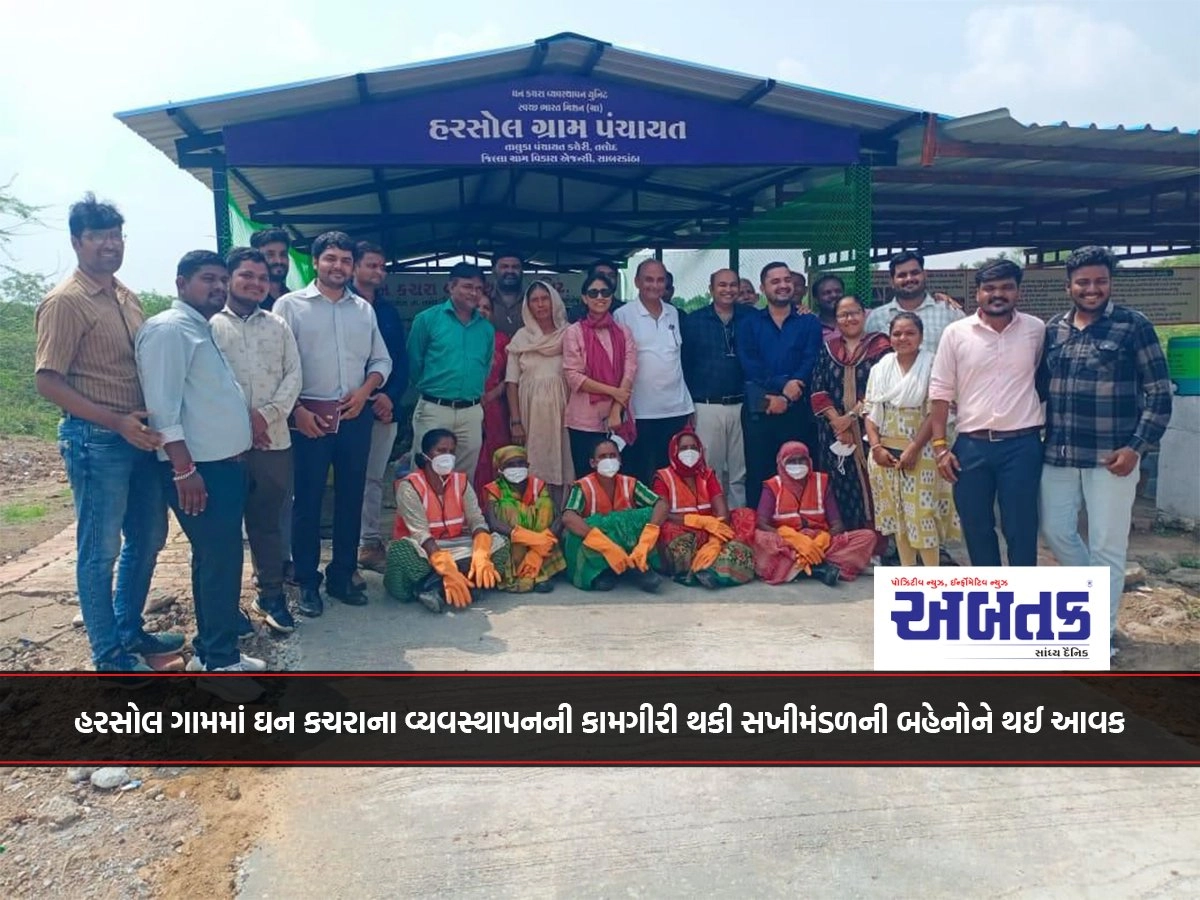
(217, 556)
(1109, 502)
(117, 494)
(1009, 471)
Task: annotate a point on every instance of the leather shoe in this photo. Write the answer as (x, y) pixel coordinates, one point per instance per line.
(349, 593)
(310, 603)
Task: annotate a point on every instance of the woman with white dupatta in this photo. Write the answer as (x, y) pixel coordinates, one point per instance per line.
(912, 501)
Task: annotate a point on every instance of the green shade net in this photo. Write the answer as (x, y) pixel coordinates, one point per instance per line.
(240, 228)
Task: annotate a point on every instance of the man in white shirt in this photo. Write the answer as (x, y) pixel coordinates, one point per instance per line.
(907, 270)
(661, 403)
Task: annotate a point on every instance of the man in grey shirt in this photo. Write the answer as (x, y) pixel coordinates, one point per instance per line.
(343, 360)
(195, 403)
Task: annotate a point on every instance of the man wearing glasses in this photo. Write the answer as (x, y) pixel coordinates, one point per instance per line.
(86, 366)
(714, 377)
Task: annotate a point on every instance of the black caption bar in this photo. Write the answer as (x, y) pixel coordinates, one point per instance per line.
(593, 719)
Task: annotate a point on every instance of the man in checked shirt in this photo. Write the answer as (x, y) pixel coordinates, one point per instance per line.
(1108, 400)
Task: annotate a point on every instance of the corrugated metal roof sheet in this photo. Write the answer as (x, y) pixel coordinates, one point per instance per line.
(912, 198)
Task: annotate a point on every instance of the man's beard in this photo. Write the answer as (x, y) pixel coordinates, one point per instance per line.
(278, 274)
(509, 282)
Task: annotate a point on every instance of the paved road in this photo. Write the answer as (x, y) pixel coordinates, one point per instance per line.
(368, 833)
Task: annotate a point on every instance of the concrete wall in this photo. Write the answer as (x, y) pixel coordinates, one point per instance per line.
(1179, 461)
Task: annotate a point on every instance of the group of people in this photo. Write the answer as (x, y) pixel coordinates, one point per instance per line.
(618, 440)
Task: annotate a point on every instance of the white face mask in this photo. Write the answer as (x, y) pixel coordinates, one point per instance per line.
(796, 470)
(608, 467)
(516, 474)
(689, 457)
(443, 464)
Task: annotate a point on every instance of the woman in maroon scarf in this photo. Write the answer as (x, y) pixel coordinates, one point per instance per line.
(599, 362)
(495, 405)
(839, 384)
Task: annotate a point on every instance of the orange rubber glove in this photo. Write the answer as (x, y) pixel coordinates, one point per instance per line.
(541, 541)
(531, 565)
(804, 547)
(706, 555)
(639, 557)
(711, 524)
(823, 540)
(482, 573)
(616, 558)
(458, 592)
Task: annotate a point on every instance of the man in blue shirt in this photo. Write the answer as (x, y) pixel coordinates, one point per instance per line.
(343, 362)
(370, 272)
(716, 381)
(778, 354)
(197, 405)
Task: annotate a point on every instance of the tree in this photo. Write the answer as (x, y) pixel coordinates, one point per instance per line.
(1174, 262)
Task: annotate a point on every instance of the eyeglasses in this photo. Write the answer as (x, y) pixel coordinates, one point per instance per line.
(594, 293)
(841, 317)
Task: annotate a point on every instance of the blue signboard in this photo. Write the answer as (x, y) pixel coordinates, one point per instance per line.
(540, 120)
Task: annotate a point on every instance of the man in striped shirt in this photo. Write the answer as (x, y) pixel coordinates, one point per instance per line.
(85, 365)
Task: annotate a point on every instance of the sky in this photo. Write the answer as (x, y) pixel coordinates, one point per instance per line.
(69, 65)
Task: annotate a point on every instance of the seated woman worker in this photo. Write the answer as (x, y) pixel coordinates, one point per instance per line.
(612, 523)
(441, 550)
(701, 540)
(800, 528)
(518, 505)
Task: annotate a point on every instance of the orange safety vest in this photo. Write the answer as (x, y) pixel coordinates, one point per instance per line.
(681, 497)
(533, 487)
(595, 497)
(808, 511)
(446, 519)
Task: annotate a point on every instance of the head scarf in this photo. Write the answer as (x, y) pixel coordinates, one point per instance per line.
(786, 452)
(701, 468)
(507, 453)
(531, 338)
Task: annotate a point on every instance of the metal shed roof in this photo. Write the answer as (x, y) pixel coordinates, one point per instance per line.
(939, 183)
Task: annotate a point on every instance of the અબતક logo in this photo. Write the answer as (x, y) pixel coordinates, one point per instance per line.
(1031, 619)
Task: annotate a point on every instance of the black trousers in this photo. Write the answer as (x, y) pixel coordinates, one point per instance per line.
(268, 483)
(648, 453)
(347, 452)
(763, 437)
(216, 539)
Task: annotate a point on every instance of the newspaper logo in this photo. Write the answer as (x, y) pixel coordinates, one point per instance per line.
(1027, 619)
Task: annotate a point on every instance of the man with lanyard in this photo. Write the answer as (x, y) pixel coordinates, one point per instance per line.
(86, 367)
(1108, 400)
(450, 349)
(344, 362)
(661, 403)
(987, 364)
(907, 270)
(778, 350)
(715, 379)
(370, 272)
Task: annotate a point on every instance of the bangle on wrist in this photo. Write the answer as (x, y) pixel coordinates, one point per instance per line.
(876, 446)
(184, 475)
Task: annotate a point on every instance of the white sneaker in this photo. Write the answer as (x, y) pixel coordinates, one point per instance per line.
(247, 663)
(233, 690)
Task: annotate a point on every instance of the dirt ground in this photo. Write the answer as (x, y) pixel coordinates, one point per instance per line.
(180, 832)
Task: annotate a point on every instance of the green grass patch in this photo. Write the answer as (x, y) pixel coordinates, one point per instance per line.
(22, 409)
(1190, 562)
(16, 513)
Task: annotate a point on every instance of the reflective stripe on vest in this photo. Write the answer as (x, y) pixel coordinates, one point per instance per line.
(446, 519)
(808, 511)
(596, 497)
(678, 488)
